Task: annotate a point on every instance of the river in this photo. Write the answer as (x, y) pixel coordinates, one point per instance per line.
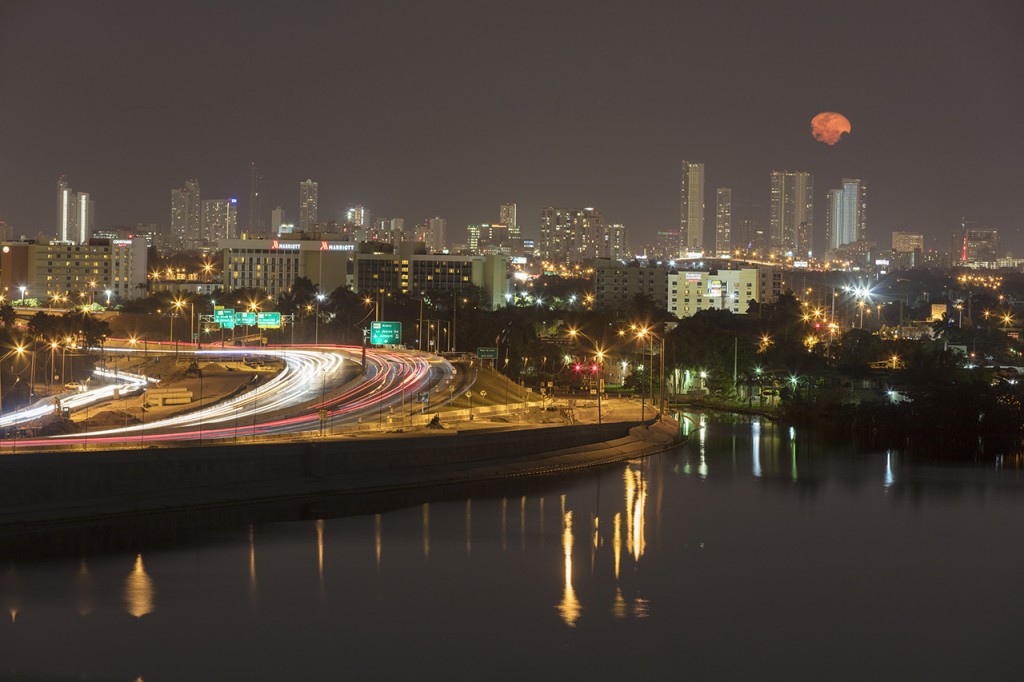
(752, 551)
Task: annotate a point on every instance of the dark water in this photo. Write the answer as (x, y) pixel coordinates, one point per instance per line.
(747, 553)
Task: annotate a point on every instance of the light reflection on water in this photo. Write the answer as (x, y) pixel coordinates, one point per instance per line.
(731, 549)
(138, 590)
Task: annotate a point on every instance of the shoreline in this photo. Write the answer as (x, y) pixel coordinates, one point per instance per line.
(42, 489)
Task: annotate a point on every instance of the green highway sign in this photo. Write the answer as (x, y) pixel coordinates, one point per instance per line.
(385, 333)
(268, 320)
(487, 353)
(225, 317)
(244, 318)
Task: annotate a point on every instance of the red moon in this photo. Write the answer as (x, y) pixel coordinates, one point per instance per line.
(828, 126)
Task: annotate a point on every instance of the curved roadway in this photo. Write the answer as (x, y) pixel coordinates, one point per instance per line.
(313, 379)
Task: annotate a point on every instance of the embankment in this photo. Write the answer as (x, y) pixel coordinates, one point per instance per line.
(39, 488)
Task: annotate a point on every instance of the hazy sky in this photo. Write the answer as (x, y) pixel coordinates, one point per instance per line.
(451, 108)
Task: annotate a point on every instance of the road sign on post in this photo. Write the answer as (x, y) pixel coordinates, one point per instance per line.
(245, 318)
(225, 317)
(487, 353)
(385, 333)
(268, 320)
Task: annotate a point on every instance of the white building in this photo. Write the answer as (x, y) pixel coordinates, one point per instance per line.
(690, 292)
(83, 272)
(220, 220)
(74, 214)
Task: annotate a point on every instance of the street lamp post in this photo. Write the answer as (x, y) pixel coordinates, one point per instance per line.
(316, 324)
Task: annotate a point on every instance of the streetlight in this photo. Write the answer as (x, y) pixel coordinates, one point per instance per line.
(641, 333)
(177, 305)
(108, 292)
(316, 329)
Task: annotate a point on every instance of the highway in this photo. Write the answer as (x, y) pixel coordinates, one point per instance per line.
(313, 379)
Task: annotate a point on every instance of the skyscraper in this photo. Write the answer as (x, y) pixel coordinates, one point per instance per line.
(507, 216)
(570, 235)
(255, 224)
(691, 208)
(846, 219)
(473, 238)
(220, 220)
(84, 222)
(277, 219)
(438, 227)
(792, 212)
(308, 191)
(65, 209)
(723, 221)
(360, 216)
(74, 213)
(186, 215)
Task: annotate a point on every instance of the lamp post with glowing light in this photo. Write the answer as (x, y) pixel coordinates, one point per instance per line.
(177, 306)
(316, 324)
(642, 333)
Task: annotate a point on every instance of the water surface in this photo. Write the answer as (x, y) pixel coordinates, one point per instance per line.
(751, 552)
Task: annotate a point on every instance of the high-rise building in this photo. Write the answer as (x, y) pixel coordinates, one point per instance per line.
(907, 242)
(570, 235)
(308, 191)
(65, 209)
(438, 227)
(186, 216)
(974, 245)
(507, 216)
(256, 224)
(613, 242)
(84, 222)
(74, 214)
(846, 219)
(792, 212)
(667, 245)
(691, 208)
(220, 220)
(277, 219)
(723, 221)
(473, 238)
(358, 215)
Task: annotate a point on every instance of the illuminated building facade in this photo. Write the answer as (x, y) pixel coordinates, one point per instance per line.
(309, 192)
(907, 242)
(186, 216)
(691, 208)
(792, 212)
(569, 236)
(432, 274)
(690, 292)
(220, 221)
(507, 216)
(723, 221)
(617, 284)
(846, 218)
(272, 265)
(974, 245)
(57, 268)
(74, 214)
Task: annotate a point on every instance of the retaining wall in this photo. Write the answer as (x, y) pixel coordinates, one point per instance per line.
(40, 486)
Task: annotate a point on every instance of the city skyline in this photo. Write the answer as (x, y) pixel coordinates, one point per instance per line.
(929, 158)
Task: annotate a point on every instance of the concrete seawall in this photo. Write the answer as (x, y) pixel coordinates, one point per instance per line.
(56, 486)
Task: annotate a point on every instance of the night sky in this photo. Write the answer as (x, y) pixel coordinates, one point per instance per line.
(420, 108)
